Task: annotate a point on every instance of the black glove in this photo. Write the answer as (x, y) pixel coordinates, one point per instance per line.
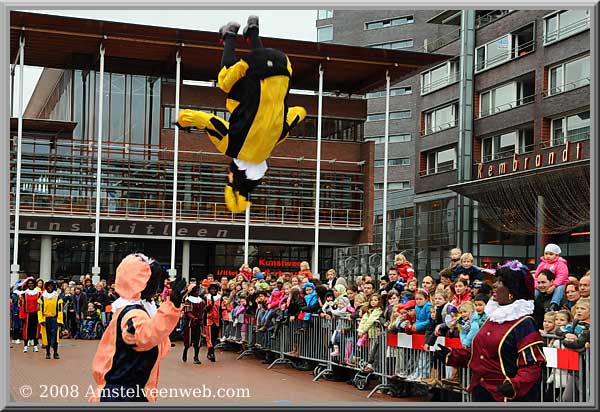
(506, 389)
(185, 129)
(179, 289)
(441, 353)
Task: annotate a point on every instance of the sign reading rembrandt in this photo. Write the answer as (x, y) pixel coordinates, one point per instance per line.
(531, 161)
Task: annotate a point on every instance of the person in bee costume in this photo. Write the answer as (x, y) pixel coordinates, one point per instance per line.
(50, 317)
(126, 365)
(257, 88)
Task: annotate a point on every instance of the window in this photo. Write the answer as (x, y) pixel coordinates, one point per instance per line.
(324, 14)
(507, 96)
(493, 53)
(505, 145)
(325, 33)
(402, 114)
(395, 21)
(393, 138)
(570, 128)
(440, 119)
(400, 44)
(564, 24)
(569, 76)
(396, 91)
(401, 161)
(518, 43)
(439, 77)
(441, 161)
(394, 185)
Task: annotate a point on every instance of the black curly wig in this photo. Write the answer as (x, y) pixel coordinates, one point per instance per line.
(518, 282)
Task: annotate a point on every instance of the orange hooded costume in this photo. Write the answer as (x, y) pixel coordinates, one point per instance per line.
(135, 341)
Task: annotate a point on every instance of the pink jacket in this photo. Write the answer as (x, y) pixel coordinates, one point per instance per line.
(276, 298)
(557, 266)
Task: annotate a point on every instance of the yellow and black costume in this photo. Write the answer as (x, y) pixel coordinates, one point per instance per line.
(50, 317)
(257, 88)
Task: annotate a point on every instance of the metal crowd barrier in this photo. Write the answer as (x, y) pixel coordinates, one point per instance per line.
(400, 358)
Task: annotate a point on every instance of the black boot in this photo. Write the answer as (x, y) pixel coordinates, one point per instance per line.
(56, 356)
(251, 24)
(184, 355)
(211, 354)
(231, 28)
(196, 352)
(48, 352)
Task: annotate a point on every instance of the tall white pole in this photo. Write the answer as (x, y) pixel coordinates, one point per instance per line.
(385, 175)
(246, 235)
(315, 265)
(96, 268)
(15, 265)
(172, 270)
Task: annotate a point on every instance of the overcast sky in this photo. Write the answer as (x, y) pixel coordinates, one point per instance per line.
(288, 24)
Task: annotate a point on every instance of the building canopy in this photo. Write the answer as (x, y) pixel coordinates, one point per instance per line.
(73, 43)
(510, 203)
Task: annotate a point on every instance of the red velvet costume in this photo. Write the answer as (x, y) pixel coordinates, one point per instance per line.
(500, 352)
(194, 318)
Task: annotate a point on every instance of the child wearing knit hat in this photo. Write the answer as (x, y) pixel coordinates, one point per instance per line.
(553, 262)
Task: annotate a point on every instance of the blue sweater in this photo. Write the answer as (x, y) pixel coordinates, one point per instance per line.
(422, 316)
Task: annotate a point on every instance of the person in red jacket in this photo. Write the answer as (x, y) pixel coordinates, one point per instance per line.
(404, 267)
(305, 270)
(28, 313)
(213, 319)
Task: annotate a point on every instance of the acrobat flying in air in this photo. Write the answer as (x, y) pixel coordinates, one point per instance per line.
(257, 88)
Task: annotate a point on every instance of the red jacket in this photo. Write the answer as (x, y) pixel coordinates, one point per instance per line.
(276, 298)
(458, 300)
(406, 271)
(29, 304)
(306, 273)
(213, 310)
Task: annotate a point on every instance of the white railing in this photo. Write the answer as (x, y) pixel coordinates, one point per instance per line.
(186, 211)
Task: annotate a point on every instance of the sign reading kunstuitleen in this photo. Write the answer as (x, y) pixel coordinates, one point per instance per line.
(224, 231)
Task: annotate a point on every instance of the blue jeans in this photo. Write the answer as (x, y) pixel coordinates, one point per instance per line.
(557, 295)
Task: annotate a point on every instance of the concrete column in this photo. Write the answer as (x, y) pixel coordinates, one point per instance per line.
(46, 257)
(185, 264)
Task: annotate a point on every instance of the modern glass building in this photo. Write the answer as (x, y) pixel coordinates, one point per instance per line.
(59, 149)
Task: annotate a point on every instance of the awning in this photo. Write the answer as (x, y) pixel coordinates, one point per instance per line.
(73, 43)
(51, 128)
(509, 203)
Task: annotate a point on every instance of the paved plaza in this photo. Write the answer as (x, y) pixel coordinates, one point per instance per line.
(236, 378)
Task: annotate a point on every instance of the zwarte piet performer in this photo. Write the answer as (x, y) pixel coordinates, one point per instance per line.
(126, 364)
(506, 355)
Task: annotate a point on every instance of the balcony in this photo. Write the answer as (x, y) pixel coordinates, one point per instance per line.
(508, 47)
(430, 46)
(439, 128)
(187, 211)
(489, 17)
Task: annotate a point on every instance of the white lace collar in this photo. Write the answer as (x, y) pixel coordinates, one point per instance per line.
(122, 302)
(210, 297)
(32, 292)
(52, 295)
(194, 299)
(506, 313)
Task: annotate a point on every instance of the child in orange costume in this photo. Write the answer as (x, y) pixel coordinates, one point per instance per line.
(126, 364)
